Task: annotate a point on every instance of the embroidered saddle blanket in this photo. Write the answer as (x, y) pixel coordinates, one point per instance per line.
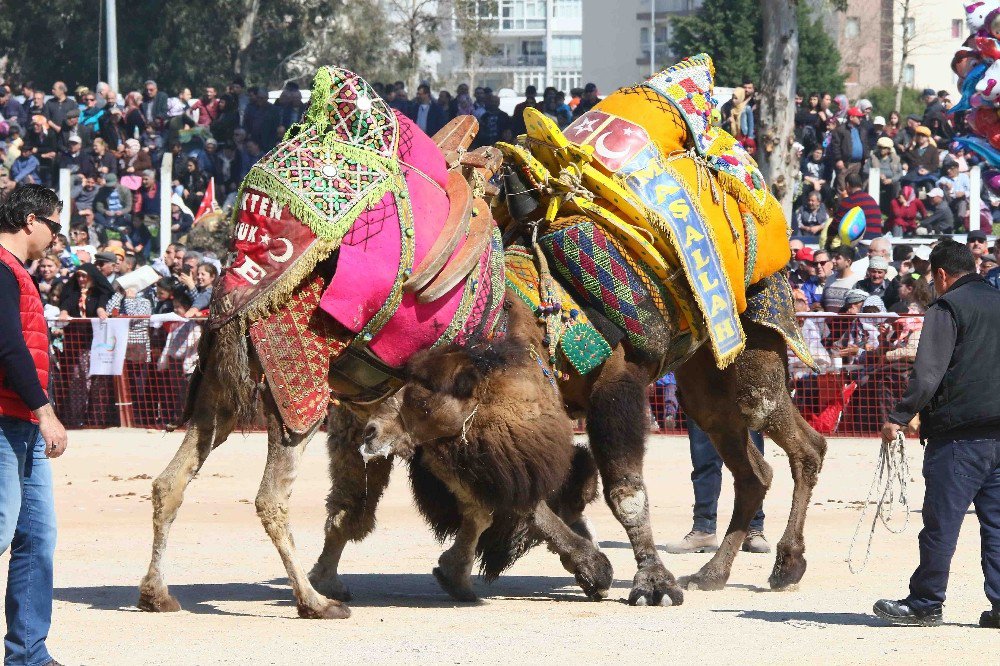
(418, 263)
(678, 194)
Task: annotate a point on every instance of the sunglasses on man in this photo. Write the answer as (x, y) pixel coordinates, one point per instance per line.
(54, 226)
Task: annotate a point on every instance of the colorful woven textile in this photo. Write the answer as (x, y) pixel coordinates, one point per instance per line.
(770, 304)
(295, 345)
(299, 200)
(580, 342)
(598, 273)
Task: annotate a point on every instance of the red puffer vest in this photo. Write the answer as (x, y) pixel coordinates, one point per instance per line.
(36, 336)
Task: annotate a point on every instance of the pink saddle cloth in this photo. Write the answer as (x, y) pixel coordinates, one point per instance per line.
(370, 253)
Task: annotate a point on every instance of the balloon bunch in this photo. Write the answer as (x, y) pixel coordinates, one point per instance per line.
(977, 64)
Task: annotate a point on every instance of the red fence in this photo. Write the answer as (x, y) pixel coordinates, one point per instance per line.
(864, 361)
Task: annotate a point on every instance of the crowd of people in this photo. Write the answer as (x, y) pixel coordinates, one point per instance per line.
(113, 145)
(923, 175)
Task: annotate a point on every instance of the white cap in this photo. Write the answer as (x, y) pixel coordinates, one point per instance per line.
(936, 192)
(879, 120)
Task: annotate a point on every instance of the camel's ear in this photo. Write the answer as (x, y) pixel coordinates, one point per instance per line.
(466, 381)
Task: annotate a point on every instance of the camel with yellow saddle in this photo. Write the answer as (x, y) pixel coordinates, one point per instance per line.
(626, 243)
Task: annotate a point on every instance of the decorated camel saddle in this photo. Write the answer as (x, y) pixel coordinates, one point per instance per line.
(360, 241)
(652, 215)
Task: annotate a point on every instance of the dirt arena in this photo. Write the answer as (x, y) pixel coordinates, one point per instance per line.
(238, 608)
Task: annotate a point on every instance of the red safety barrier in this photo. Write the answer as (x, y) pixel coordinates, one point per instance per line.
(864, 360)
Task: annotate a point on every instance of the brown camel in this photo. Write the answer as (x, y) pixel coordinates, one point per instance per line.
(490, 486)
(750, 393)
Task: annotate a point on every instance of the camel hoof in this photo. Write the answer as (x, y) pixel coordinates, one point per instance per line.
(595, 575)
(655, 586)
(788, 571)
(457, 591)
(331, 610)
(703, 582)
(158, 602)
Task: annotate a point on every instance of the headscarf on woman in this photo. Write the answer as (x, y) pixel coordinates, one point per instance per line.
(739, 104)
(97, 296)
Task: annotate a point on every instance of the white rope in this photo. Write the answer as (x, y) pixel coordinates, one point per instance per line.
(467, 423)
(889, 485)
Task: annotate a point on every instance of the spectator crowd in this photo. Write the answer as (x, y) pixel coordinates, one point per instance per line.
(113, 145)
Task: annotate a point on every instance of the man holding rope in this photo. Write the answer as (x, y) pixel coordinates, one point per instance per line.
(956, 390)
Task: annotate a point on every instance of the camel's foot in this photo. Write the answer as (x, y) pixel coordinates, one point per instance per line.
(157, 599)
(460, 588)
(653, 585)
(324, 609)
(707, 579)
(594, 575)
(329, 585)
(788, 569)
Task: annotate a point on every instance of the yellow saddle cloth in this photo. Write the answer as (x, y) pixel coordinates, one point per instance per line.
(683, 196)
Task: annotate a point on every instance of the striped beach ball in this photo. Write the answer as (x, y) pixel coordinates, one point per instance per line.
(852, 225)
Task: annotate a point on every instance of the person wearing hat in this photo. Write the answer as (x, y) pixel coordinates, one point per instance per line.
(956, 189)
(936, 116)
(806, 276)
(978, 245)
(922, 160)
(71, 127)
(588, 100)
(878, 127)
(940, 219)
(106, 263)
(955, 387)
(877, 283)
(890, 171)
(907, 133)
(113, 204)
(73, 158)
(849, 147)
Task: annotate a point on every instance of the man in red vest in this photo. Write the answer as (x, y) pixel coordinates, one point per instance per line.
(30, 432)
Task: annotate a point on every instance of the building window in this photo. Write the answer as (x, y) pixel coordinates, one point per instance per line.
(567, 9)
(956, 28)
(522, 14)
(909, 75)
(911, 28)
(567, 51)
(852, 27)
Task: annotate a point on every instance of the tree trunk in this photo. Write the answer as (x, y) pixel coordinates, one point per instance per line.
(245, 37)
(904, 49)
(777, 98)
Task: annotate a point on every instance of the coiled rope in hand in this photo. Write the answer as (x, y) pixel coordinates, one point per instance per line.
(889, 485)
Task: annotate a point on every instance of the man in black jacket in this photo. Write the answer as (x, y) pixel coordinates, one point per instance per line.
(955, 388)
(849, 147)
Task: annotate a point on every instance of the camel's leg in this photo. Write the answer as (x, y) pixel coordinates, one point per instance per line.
(617, 426)
(454, 569)
(354, 494)
(707, 396)
(211, 423)
(756, 384)
(578, 555)
(283, 456)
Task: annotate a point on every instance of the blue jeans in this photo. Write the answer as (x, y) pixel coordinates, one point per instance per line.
(28, 528)
(959, 473)
(706, 477)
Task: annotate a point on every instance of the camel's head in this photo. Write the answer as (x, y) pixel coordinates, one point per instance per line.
(440, 400)
(453, 393)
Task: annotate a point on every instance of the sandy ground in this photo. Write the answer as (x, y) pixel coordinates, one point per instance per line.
(238, 608)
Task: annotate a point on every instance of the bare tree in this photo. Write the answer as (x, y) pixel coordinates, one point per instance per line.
(417, 22)
(476, 24)
(909, 42)
(777, 97)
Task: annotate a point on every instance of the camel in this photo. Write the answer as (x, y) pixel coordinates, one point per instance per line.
(496, 489)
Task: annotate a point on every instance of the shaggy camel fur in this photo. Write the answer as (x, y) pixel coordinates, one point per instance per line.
(750, 393)
(490, 448)
(224, 395)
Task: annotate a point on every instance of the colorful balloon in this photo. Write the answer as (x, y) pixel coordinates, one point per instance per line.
(852, 226)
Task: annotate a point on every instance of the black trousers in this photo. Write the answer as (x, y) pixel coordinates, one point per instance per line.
(958, 473)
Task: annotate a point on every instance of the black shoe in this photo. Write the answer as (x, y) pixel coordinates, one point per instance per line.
(990, 619)
(900, 612)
